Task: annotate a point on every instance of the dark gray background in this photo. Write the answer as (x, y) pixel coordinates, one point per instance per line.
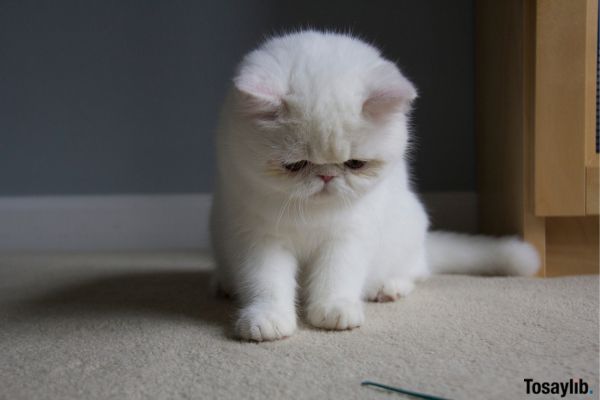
(122, 96)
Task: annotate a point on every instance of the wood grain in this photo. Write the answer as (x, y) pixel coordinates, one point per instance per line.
(562, 107)
(592, 159)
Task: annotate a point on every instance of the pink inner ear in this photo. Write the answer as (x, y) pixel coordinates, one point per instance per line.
(389, 92)
(257, 90)
(383, 102)
(258, 100)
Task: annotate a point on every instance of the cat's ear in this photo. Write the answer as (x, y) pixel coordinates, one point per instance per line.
(258, 97)
(388, 93)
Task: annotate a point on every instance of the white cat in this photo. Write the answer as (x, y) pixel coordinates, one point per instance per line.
(313, 190)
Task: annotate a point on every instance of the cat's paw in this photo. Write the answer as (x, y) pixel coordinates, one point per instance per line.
(262, 324)
(340, 315)
(391, 290)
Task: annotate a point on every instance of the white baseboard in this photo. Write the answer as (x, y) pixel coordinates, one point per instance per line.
(152, 222)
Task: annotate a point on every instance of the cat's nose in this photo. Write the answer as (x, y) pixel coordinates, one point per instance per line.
(326, 178)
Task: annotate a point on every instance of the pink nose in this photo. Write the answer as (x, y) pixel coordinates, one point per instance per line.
(326, 178)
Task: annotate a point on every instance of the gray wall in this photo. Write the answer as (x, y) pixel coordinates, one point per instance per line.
(122, 96)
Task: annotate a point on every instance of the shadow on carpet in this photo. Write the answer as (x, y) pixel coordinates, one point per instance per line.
(163, 295)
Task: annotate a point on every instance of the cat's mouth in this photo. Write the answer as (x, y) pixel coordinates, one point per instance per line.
(325, 190)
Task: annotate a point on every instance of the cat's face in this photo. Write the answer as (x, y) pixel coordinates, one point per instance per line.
(320, 159)
(326, 154)
(325, 132)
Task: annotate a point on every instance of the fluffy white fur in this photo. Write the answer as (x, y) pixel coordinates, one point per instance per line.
(289, 214)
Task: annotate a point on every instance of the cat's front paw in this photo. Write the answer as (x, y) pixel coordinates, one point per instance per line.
(340, 315)
(263, 323)
(391, 290)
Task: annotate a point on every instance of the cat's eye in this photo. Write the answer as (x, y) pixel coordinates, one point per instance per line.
(355, 164)
(297, 166)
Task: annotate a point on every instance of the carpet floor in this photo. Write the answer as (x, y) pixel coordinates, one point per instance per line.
(139, 326)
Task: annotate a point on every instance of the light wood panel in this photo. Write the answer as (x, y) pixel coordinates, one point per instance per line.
(562, 105)
(592, 159)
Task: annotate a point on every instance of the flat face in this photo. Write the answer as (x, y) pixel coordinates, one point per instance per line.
(322, 114)
(300, 158)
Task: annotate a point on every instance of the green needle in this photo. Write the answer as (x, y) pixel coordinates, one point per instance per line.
(403, 391)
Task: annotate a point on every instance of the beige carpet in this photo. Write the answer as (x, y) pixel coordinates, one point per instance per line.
(143, 326)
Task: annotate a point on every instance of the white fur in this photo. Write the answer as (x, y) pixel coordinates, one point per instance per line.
(326, 98)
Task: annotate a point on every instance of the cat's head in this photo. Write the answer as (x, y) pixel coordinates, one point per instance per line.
(320, 117)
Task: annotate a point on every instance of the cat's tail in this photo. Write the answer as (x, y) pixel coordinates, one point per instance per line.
(454, 253)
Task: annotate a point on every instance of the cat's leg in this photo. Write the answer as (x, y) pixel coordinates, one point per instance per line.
(391, 282)
(390, 289)
(266, 286)
(334, 287)
(401, 259)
